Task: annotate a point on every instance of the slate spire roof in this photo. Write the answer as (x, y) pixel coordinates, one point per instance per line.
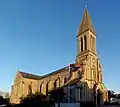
(86, 24)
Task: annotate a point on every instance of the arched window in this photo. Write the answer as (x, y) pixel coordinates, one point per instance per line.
(85, 42)
(47, 88)
(93, 43)
(55, 84)
(41, 87)
(98, 76)
(94, 74)
(30, 89)
(81, 44)
(65, 80)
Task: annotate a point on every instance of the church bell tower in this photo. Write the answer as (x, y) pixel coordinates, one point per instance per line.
(87, 57)
(86, 52)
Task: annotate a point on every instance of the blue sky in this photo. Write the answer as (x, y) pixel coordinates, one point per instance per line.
(39, 36)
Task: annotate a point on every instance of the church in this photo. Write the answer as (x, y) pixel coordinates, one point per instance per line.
(83, 86)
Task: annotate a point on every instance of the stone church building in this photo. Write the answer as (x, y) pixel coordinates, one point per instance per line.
(83, 87)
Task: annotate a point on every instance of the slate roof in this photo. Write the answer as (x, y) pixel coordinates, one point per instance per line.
(30, 76)
(86, 24)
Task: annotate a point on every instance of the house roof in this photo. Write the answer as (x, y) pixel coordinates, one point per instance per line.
(29, 76)
(86, 24)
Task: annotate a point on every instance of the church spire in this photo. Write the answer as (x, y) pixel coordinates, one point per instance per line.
(86, 23)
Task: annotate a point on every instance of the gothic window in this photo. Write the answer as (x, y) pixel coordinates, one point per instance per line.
(85, 41)
(47, 88)
(55, 84)
(93, 43)
(30, 89)
(101, 77)
(65, 80)
(98, 76)
(58, 83)
(41, 88)
(94, 74)
(81, 44)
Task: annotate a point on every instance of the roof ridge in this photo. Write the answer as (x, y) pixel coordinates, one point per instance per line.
(29, 75)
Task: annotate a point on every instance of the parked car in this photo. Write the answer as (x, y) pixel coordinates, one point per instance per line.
(118, 100)
(113, 100)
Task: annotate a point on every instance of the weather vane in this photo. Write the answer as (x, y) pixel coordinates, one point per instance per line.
(86, 4)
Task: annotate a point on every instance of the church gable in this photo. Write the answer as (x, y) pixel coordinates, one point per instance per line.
(18, 77)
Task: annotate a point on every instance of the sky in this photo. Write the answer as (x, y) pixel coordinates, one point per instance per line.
(39, 36)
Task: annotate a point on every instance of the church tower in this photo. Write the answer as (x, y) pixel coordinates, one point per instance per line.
(87, 55)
